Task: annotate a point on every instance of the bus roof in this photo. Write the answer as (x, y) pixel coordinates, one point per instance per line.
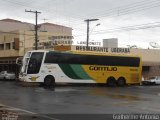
(89, 53)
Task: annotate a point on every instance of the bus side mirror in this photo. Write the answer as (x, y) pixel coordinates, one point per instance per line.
(19, 61)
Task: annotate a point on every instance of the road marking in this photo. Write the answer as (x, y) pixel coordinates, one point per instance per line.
(26, 111)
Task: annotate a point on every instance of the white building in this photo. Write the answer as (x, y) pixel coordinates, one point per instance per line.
(110, 43)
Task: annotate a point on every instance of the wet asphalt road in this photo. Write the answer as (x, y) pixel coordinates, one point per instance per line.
(56, 103)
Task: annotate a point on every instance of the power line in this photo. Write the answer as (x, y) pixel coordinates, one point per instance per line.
(135, 27)
(122, 10)
(130, 8)
(125, 10)
(127, 28)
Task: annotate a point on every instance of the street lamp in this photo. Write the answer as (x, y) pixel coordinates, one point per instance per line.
(94, 27)
(88, 20)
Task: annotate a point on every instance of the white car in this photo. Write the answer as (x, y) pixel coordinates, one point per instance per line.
(152, 81)
(7, 75)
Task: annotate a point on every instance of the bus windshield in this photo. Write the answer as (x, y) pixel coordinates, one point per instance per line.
(35, 63)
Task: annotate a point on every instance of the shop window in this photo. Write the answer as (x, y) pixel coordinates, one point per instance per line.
(8, 46)
(1, 46)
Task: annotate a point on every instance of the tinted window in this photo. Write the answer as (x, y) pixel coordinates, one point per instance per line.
(68, 58)
(35, 63)
(145, 68)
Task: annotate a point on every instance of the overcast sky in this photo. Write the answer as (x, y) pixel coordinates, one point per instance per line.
(133, 22)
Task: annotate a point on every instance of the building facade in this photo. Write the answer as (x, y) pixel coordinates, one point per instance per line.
(150, 57)
(17, 37)
(150, 61)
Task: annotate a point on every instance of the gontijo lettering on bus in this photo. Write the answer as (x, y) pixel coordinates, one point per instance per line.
(98, 68)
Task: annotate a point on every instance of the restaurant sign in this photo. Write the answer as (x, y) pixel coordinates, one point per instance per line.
(101, 49)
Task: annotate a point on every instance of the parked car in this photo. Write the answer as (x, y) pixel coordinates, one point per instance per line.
(155, 80)
(7, 75)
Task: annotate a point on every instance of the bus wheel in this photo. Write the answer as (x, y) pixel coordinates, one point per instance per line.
(111, 82)
(49, 81)
(121, 81)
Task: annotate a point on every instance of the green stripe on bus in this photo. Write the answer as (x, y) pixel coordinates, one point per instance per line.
(67, 69)
(79, 71)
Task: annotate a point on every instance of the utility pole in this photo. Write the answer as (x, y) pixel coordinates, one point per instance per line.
(88, 21)
(36, 28)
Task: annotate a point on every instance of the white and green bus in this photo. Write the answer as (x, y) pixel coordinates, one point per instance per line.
(52, 67)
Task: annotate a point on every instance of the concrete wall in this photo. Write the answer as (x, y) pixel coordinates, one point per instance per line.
(150, 60)
(149, 56)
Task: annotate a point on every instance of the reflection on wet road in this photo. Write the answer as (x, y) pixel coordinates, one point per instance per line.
(80, 100)
(114, 94)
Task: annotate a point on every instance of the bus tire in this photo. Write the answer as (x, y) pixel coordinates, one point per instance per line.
(111, 82)
(49, 81)
(121, 81)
